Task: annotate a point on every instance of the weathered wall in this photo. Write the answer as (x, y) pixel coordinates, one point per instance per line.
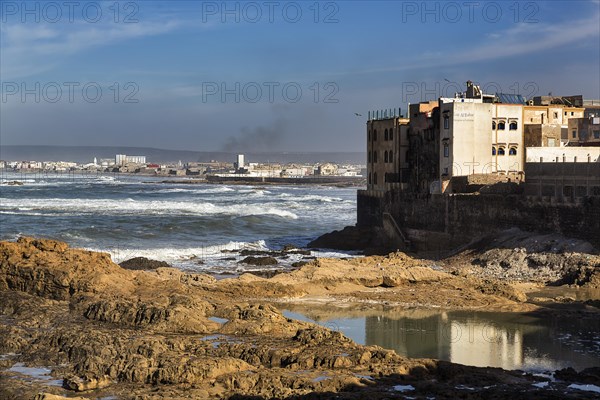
(464, 217)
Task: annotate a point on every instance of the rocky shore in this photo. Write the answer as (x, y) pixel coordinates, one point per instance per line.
(74, 324)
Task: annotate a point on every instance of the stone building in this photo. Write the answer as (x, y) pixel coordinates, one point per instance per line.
(423, 157)
(508, 149)
(547, 125)
(387, 146)
(585, 131)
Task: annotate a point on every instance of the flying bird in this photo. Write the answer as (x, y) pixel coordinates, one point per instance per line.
(358, 115)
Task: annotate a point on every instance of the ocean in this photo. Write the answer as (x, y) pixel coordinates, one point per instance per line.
(195, 227)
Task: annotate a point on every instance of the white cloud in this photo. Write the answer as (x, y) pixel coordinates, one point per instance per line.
(29, 49)
(521, 39)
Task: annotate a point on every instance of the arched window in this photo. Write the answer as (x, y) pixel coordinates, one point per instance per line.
(493, 151)
(512, 126)
(374, 156)
(385, 156)
(501, 151)
(494, 125)
(501, 125)
(391, 157)
(392, 134)
(385, 137)
(375, 135)
(375, 178)
(368, 156)
(368, 135)
(370, 178)
(512, 151)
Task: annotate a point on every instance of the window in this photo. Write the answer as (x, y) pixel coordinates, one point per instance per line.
(385, 137)
(368, 136)
(369, 178)
(374, 156)
(494, 125)
(446, 122)
(565, 113)
(572, 113)
(512, 151)
(375, 178)
(368, 156)
(555, 115)
(574, 134)
(390, 159)
(513, 126)
(493, 151)
(385, 156)
(392, 134)
(501, 151)
(501, 125)
(446, 150)
(446, 171)
(596, 134)
(375, 135)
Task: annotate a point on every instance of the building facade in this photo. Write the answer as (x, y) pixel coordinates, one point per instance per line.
(387, 146)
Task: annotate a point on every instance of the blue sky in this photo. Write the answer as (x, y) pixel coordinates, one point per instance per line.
(314, 70)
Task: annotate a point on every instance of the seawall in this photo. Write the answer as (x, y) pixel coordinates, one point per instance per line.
(443, 221)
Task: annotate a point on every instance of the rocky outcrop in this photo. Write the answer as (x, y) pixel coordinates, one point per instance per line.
(143, 263)
(251, 260)
(350, 238)
(107, 331)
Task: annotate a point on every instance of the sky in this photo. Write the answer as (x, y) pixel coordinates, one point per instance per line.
(271, 75)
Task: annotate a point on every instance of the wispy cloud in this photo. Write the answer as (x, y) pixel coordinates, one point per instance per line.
(520, 39)
(29, 49)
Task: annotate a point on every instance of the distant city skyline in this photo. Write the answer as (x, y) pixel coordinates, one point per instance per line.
(269, 77)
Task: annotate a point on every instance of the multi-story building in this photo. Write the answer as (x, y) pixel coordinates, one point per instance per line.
(547, 125)
(122, 159)
(508, 150)
(424, 150)
(387, 146)
(585, 131)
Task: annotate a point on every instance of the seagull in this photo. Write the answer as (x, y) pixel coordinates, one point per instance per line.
(358, 115)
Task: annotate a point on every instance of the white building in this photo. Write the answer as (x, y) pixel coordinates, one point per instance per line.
(122, 159)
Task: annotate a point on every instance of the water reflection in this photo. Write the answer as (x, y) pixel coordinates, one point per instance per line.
(506, 340)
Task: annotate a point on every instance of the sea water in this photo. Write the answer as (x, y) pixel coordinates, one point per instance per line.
(200, 227)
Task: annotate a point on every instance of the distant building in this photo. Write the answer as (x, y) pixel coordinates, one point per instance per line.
(327, 169)
(239, 165)
(122, 159)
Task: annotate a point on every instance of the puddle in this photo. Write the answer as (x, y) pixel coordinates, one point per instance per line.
(219, 320)
(484, 339)
(36, 374)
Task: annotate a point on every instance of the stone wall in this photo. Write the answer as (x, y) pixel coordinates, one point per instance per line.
(463, 217)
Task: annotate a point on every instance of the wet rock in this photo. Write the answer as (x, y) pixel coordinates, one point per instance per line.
(143, 264)
(260, 261)
(349, 238)
(80, 384)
